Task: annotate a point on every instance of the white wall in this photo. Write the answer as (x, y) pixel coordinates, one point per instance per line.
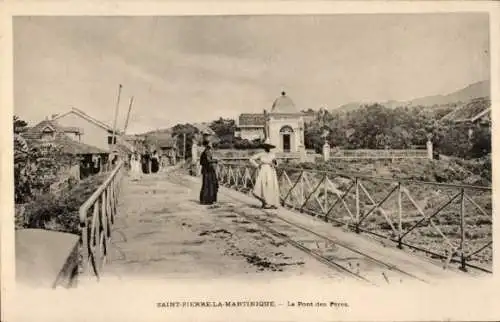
(252, 133)
(92, 134)
(275, 125)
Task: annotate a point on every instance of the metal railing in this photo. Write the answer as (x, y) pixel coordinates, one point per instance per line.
(450, 222)
(97, 216)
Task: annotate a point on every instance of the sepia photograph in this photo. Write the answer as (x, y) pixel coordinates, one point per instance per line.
(352, 149)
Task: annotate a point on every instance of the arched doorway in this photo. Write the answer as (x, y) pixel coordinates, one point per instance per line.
(286, 134)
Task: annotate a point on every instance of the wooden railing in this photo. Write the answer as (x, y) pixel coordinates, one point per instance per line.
(448, 221)
(96, 219)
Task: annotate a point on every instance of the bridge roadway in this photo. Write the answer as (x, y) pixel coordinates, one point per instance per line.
(161, 231)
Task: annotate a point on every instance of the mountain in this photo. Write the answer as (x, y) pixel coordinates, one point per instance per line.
(476, 90)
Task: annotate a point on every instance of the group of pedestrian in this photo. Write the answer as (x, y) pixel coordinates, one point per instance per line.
(266, 188)
(144, 164)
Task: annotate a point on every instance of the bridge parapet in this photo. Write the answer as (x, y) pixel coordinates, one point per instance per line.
(447, 221)
(97, 215)
(46, 258)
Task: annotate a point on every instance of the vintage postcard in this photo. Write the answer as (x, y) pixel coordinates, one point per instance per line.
(249, 161)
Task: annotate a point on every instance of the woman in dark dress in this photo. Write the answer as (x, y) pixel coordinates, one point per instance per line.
(155, 162)
(145, 163)
(210, 185)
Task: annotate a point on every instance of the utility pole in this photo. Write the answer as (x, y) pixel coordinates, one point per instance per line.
(128, 114)
(113, 138)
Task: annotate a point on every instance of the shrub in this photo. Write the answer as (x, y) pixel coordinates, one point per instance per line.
(37, 169)
(60, 212)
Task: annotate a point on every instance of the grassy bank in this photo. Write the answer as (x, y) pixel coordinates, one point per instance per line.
(59, 212)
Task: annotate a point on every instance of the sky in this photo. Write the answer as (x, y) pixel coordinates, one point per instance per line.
(195, 69)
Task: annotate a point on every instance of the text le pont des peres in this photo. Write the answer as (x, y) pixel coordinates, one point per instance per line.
(318, 304)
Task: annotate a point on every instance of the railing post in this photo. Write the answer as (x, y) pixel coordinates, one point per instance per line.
(84, 241)
(325, 193)
(358, 210)
(302, 193)
(463, 265)
(400, 217)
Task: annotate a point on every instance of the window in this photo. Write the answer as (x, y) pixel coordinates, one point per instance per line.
(47, 136)
(110, 140)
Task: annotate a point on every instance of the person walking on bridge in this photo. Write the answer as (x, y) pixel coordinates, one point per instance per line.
(266, 185)
(135, 166)
(155, 162)
(210, 185)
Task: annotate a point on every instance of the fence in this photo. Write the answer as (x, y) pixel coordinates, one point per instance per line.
(380, 154)
(447, 221)
(96, 218)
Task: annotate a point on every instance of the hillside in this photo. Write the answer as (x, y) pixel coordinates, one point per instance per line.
(476, 90)
(473, 91)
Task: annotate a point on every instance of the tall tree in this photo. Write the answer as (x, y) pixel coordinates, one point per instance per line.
(19, 125)
(187, 131)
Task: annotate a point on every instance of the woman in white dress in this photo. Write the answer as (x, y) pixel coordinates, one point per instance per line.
(135, 166)
(266, 185)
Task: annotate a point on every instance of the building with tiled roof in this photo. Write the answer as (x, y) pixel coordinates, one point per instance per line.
(49, 132)
(93, 131)
(49, 127)
(475, 111)
(204, 128)
(283, 125)
(252, 120)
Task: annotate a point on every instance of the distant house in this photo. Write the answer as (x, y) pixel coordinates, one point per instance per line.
(283, 125)
(168, 148)
(163, 142)
(50, 132)
(476, 111)
(204, 128)
(251, 126)
(96, 133)
(47, 130)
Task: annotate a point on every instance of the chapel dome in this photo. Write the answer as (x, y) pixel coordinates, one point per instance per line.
(283, 104)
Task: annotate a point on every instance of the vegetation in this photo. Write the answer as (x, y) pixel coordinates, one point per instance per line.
(373, 127)
(190, 133)
(37, 167)
(377, 127)
(59, 212)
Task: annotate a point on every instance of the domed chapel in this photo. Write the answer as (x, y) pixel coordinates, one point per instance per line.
(283, 125)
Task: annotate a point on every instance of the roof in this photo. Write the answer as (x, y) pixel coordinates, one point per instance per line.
(72, 129)
(121, 148)
(133, 137)
(167, 142)
(74, 147)
(283, 104)
(70, 146)
(255, 119)
(204, 128)
(35, 132)
(162, 139)
(470, 112)
(89, 118)
(47, 126)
